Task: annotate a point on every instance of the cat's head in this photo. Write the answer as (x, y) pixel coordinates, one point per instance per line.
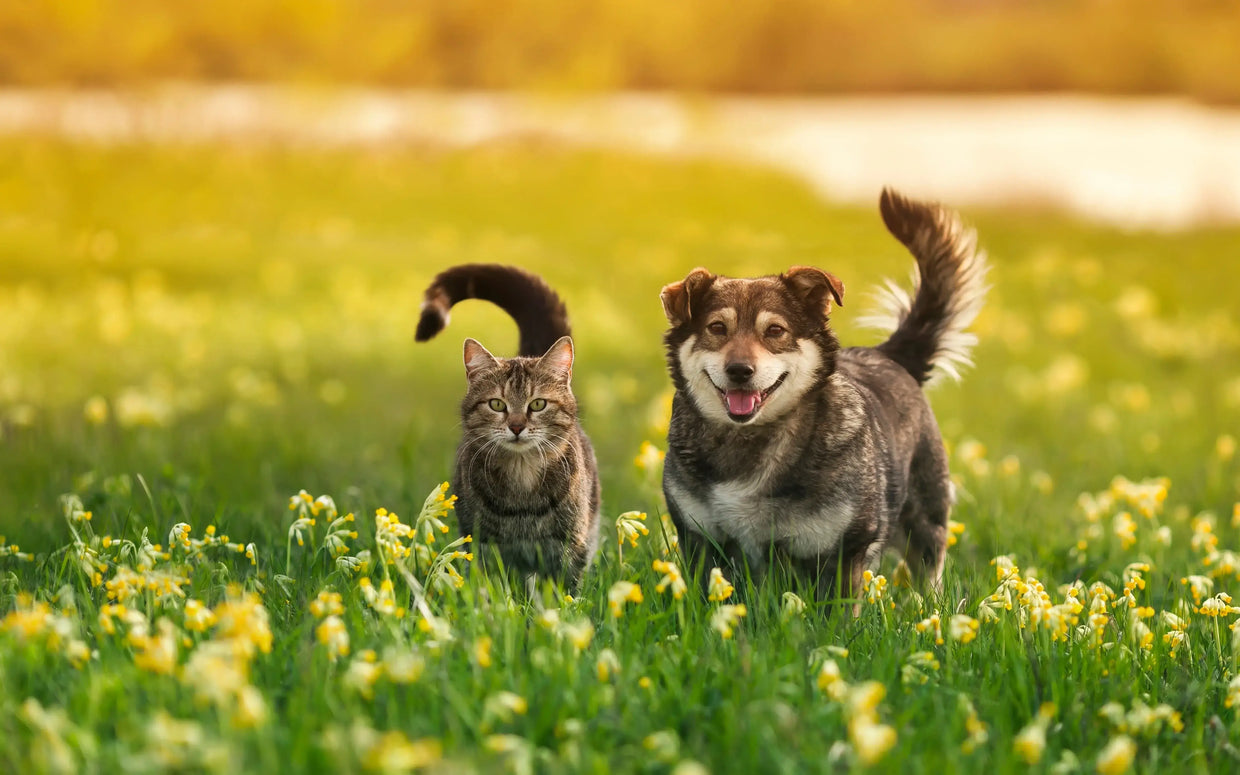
(520, 404)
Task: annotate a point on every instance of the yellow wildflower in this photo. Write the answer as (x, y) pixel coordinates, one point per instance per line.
(630, 525)
(242, 619)
(1219, 605)
(725, 617)
(975, 729)
(362, 676)
(671, 578)
(198, 618)
(504, 705)
(1225, 447)
(831, 681)
(962, 627)
(393, 752)
(327, 604)
(873, 587)
(933, 624)
(1125, 528)
(158, 653)
(1199, 586)
(1117, 757)
(1031, 741)
(792, 605)
(664, 746)
(719, 589)
(403, 665)
(1233, 693)
(482, 652)
(579, 633)
(607, 664)
(250, 709)
(620, 593)
(649, 457)
(332, 634)
(870, 739)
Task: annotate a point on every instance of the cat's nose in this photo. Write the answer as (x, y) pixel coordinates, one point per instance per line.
(516, 428)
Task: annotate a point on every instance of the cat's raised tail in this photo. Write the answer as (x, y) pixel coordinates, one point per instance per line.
(540, 314)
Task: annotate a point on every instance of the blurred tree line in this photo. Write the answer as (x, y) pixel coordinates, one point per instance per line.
(766, 46)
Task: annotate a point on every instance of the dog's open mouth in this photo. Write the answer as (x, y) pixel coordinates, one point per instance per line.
(742, 405)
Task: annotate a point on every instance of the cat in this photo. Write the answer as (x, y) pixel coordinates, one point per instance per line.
(525, 477)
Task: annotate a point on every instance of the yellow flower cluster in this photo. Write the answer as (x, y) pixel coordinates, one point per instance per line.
(873, 587)
(719, 588)
(1142, 719)
(630, 526)
(649, 457)
(1030, 742)
(725, 619)
(870, 739)
(578, 633)
(1033, 605)
(672, 579)
(13, 550)
(620, 593)
(56, 631)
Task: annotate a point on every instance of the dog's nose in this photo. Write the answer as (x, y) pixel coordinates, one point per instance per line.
(738, 371)
(516, 428)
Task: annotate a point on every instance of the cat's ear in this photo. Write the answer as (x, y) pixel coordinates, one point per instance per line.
(477, 359)
(558, 360)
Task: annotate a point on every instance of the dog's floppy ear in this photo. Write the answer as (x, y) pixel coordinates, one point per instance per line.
(815, 287)
(678, 298)
(477, 358)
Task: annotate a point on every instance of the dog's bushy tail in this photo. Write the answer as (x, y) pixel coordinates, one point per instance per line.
(949, 286)
(540, 314)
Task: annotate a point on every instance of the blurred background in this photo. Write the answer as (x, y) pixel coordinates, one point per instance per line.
(747, 46)
(216, 220)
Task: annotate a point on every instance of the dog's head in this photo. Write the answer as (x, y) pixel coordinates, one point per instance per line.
(747, 350)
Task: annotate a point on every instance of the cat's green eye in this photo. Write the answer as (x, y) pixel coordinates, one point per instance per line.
(538, 404)
(497, 404)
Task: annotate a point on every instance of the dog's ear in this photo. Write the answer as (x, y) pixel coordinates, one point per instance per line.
(814, 287)
(679, 298)
(477, 359)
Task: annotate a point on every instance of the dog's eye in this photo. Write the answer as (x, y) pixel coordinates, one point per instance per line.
(774, 331)
(717, 328)
(538, 404)
(497, 404)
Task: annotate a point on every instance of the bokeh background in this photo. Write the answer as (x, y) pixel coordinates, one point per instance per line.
(750, 46)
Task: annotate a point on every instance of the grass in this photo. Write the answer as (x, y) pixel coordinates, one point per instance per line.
(193, 335)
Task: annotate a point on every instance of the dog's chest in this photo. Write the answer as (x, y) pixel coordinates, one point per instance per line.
(745, 511)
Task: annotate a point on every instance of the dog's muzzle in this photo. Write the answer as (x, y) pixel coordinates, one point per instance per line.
(743, 403)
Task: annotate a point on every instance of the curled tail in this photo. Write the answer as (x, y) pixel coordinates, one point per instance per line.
(948, 289)
(540, 314)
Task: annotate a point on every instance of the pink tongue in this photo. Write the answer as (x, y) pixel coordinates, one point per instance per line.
(742, 402)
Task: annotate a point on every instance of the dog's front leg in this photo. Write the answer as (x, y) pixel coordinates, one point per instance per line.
(699, 552)
(840, 578)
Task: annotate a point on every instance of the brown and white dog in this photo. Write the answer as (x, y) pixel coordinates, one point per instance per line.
(785, 448)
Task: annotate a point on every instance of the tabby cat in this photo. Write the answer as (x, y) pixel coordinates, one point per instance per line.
(526, 479)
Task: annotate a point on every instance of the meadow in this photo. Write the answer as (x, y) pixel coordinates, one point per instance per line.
(226, 547)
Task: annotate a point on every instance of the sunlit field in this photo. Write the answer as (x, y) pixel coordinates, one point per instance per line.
(225, 546)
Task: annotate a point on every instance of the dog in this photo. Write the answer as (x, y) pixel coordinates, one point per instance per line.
(784, 448)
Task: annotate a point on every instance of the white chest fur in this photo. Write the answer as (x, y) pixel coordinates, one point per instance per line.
(744, 511)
